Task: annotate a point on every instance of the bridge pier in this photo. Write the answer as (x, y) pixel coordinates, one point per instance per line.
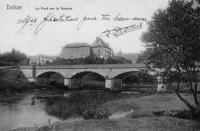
(161, 87)
(113, 84)
(72, 83)
(67, 81)
(109, 83)
(31, 79)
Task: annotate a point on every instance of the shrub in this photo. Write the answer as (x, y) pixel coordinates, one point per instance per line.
(96, 114)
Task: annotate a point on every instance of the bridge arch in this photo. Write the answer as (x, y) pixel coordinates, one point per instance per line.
(42, 72)
(51, 78)
(137, 80)
(124, 75)
(85, 71)
(88, 79)
(128, 74)
(47, 74)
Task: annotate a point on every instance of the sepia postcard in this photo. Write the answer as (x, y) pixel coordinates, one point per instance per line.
(99, 65)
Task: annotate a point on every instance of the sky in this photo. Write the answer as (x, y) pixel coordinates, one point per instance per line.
(54, 35)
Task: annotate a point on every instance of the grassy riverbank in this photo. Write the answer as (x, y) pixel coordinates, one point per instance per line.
(147, 115)
(147, 103)
(123, 124)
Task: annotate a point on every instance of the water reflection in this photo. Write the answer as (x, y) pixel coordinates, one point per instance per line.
(79, 104)
(40, 108)
(22, 113)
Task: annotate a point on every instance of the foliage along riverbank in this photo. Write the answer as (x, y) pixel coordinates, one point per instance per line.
(14, 80)
(85, 104)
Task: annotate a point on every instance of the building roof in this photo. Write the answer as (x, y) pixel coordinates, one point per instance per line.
(100, 43)
(73, 45)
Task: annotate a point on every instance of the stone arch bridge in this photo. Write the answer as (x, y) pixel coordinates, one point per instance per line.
(109, 71)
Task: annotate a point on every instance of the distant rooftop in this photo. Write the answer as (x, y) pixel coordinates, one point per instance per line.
(100, 43)
(97, 43)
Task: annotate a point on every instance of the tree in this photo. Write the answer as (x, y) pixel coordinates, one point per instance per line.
(14, 57)
(173, 43)
(91, 59)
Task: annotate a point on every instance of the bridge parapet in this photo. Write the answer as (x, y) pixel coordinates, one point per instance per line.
(91, 66)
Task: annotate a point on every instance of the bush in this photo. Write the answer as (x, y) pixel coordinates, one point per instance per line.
(96, 114)
(13, 80)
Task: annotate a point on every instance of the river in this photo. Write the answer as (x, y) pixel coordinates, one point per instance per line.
(42, 107)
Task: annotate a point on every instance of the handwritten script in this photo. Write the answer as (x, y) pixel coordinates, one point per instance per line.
(80, 21)
(117, 31)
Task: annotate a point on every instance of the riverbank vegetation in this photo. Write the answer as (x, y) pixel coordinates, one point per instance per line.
(173, 45)
(14, 80)
(90, 60)
(14, 57)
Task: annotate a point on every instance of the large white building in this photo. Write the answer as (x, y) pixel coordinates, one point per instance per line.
(82, 50)
(75, 50)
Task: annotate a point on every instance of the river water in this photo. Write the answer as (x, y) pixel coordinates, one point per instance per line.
(38, 108)
(18, 110)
